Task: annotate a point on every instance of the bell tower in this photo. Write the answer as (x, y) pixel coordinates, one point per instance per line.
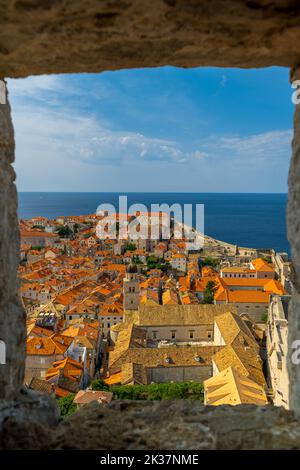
(131, 289)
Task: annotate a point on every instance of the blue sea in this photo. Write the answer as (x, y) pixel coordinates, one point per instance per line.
(250, 220)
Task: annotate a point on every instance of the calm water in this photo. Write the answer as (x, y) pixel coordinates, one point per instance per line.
(254, 220)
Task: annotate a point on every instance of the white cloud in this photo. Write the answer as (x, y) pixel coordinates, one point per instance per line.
(35, 86)
(37, 104)
(78, 137)
(53, 89)
(64, 146)
(273, 145)
(198, 155)
(85, 138)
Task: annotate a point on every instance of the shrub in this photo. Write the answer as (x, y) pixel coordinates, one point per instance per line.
(99, 385)
(64, 231)
(130, 247)
(66, 405)
(162, 391)
(153, 262)
(264, 317)
(210, 262)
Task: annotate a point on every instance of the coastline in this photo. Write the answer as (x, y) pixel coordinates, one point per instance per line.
(247, 220)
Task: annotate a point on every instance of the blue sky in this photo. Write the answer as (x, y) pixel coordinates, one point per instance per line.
(163, 129)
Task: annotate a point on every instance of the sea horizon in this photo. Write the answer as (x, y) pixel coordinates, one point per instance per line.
(147, 192)
(256, 220)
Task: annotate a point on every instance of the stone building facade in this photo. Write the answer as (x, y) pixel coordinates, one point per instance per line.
(277, 348)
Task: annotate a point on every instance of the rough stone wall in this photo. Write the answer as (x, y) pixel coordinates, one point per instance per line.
(179, 424)
(293, 224)
(167, 425)
(52, 36)
(12, 319)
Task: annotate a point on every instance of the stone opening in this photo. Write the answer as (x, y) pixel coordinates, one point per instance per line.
(52, 37)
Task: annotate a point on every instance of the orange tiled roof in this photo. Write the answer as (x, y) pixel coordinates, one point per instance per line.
(39, 331)
(238, 270)
(56, 344)
(199, 284)
(71, 331)
(275, 287)
(208, 271)
(243, 281)
(37, 233)
(184, 283)
(242, 296)
(61, 392)
(114, 379)
(185, 299)
(111, 309)
(169, 297)
(71, 369)
(150, 298)
(113, 267)
(261, 265)
(86, 396)
(268, 285)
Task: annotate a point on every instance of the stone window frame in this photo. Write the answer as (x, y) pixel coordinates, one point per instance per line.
(244, 34)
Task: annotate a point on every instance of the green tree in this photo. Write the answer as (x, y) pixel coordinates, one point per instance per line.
(136, 260)
(209, 292)
(99, 385)
(153, 262)
(64, 231)
(130, 247)
(210, 262)
(66, 405)
(37, 248)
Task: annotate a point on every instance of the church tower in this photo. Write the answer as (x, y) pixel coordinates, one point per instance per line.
(131, 289)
